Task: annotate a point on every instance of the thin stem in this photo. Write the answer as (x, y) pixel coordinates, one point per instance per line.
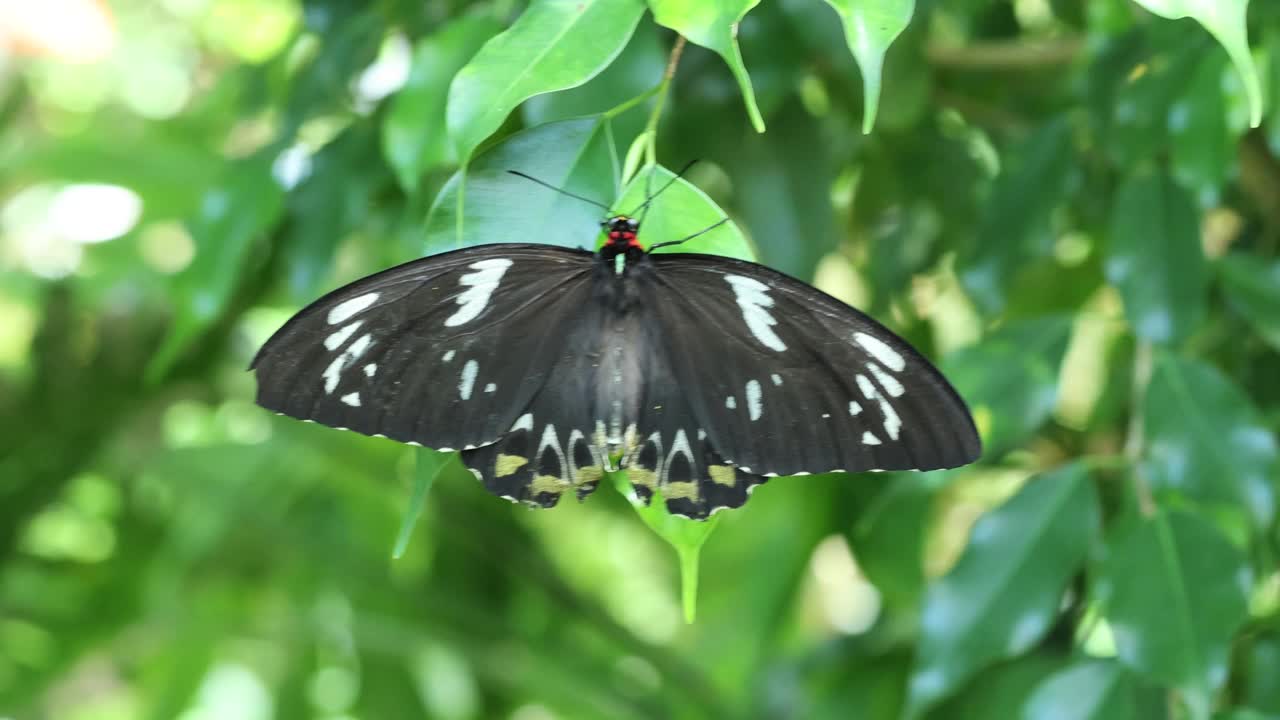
(651, 128)
(1134, 442)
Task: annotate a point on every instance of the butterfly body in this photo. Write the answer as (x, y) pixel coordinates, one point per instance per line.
(702, 376)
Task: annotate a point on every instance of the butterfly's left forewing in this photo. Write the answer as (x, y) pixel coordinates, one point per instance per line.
(444, 352)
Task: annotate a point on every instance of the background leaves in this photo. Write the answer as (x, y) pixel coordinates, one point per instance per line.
(1062, 204)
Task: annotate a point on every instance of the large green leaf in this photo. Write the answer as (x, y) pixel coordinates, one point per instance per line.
(1202, 146)
(1206, 440)
(1012, 404)
(680, 211)
(1225, 19)
(870, 27)
(1174, 590)
(1005, 591)
(1088, 690)
(231, 217)
(484, 203)
(553, 45)
(1015, 226)
(1252, 286)
(1155, 258)
(889, 538)
(713, 24)
(414, 136)
(782, 183)
(427, 467)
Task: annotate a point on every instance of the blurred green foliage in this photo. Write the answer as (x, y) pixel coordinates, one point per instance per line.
(1074, 207)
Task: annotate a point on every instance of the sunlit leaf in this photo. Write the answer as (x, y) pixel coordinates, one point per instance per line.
(1202, 146)
(1004, 593)
(1174, 590)
(1089, 690)
(713, 24)
(1252, 286)
(484, 203)
(680, 211)
(414, 135)
(1155, 258)
(1206, 440)
(870, 27)
(1225, 19)
(553, 45)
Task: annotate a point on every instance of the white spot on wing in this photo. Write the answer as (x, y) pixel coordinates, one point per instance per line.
(880, 351)
(335, 340)
(468, 380)
(490, 387)
(525, 422)
(892, 423)
(480, 286)
(371, 369)
(777, 379)
(679, 444)
(887, 381)
(731, 403)
(343, 361)
(870, 439)
(754, 406)
(345, 309)
(753, 298)
(352, 399)
(854, 407)
(447, 357)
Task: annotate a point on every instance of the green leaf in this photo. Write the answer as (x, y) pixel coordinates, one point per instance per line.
(1010, 405)
(680, 211)
(429, 463)
(1252, 287)
(1005, 592)
(553, 45)
(1000, 691)
(713, 24)
(414, 137)
(1174, 590)
(1202, 146)
(1015, 226)
(1155, 258)
(323, 209)
(1225, 20)
(686, 536)
(637, 70)
(1205, 440)
(484, 203)
(1262, 673)
(1090, 690)
(870, 27)
(890, 536)
(782, 183)
(231, 217)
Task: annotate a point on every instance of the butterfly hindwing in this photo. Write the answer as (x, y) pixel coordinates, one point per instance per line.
(792, 381)
(444, 352)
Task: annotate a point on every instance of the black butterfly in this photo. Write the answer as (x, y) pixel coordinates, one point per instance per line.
(701, 375)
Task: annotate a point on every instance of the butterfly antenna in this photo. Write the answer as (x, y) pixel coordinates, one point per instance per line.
(700, 232)
(562, 191)
(644, 206)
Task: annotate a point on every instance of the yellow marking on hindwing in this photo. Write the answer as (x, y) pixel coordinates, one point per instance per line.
(723, 475)
(508, 464)
(588, 475)
(643, 477)
(548, 484)
(681, 490)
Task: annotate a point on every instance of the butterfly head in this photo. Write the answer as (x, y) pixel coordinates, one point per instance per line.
(621, 231)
